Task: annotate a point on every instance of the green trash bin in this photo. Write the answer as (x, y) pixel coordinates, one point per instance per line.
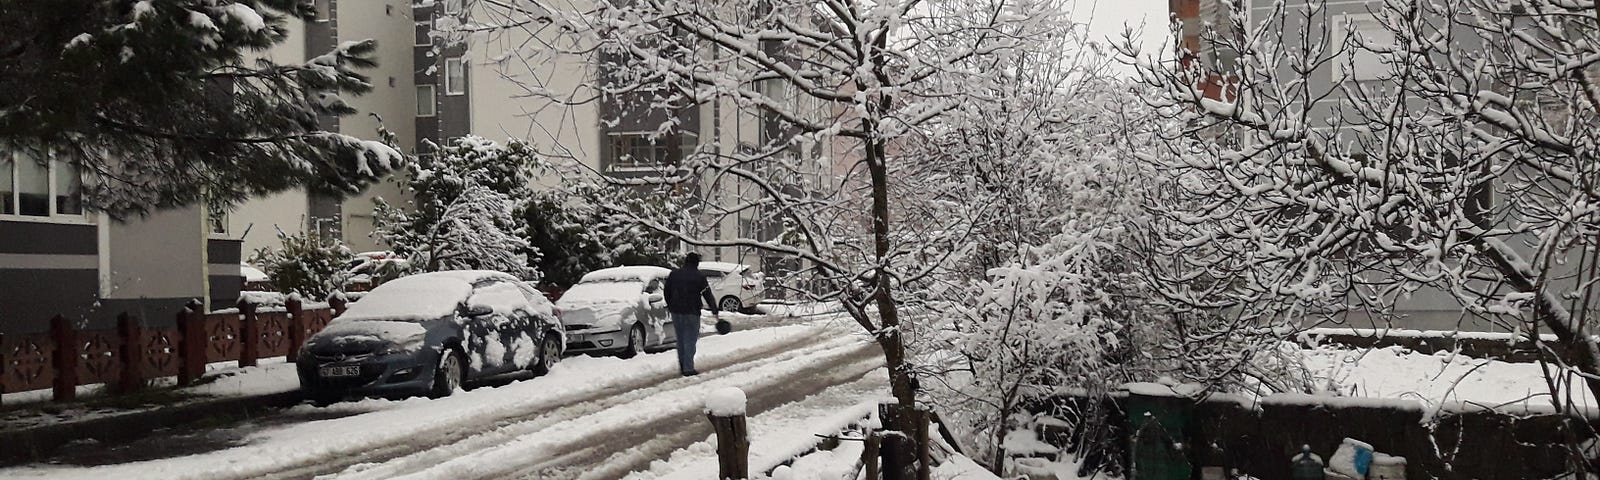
(1155, 433)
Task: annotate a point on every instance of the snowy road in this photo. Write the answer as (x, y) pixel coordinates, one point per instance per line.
(590, 418)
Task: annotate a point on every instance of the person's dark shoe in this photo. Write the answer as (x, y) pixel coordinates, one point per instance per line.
(690, 373)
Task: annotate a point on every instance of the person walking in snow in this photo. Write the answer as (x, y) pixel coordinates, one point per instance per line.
(686, 287)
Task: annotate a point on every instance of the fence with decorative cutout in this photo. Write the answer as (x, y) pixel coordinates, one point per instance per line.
(126, 357)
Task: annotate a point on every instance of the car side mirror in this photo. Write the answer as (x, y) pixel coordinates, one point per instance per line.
(478, 310)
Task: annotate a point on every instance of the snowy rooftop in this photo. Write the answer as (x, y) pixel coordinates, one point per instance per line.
(625, 274)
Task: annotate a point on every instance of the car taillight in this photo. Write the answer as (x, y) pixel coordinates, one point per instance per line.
(557, 310)
(749, 287)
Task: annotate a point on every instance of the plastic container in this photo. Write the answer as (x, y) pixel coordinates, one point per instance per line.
(1387, 467)
(1353, 458)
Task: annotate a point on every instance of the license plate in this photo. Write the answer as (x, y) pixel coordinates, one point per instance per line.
(342, 371)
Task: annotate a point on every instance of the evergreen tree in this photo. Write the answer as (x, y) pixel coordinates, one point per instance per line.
(157, 102)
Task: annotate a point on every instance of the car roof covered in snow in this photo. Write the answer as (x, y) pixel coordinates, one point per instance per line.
(637, 273)
(722, 266)
(419, 297)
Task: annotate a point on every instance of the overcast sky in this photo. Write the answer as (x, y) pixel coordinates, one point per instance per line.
(1107, 17)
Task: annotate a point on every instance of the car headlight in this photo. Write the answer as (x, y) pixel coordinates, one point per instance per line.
(392, 349)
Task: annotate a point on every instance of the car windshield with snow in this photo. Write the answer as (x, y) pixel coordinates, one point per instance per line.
(429, 334)
(617, 310)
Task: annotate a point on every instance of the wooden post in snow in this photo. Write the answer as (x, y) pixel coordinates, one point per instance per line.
(726, 409)
(869, 455)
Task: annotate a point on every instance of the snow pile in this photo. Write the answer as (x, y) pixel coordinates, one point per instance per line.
(725, 402)
(252, 274)
(414, 298)
(1440, 378)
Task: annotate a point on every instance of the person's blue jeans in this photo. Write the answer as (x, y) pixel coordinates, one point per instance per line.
(687, 327)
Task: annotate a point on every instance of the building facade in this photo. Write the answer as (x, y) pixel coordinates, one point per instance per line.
(480, 85)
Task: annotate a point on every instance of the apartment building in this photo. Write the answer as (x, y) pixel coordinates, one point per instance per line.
(480, 85)
(391, 104)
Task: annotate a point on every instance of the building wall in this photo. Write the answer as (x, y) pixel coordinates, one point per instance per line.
(502, 108)
(258, 221)
(156, 264)
(392, 99)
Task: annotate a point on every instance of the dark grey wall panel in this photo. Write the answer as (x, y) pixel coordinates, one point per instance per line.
(224, 290)
(28, 298)
(224, 251)
(48, 238)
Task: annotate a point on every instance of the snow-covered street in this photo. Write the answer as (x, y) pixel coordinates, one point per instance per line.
(605, 416)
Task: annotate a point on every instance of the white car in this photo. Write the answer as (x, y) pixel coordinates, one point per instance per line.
(617, 310)
(733, 285)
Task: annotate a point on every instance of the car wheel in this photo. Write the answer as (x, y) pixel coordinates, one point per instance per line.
(447, 378)
(635, 342)
(730, 304)
(549, 354)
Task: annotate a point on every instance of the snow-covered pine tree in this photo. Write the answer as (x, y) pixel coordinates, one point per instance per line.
(158, 104)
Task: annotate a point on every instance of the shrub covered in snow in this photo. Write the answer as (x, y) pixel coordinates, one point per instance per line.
(479, 204)
(305, 263)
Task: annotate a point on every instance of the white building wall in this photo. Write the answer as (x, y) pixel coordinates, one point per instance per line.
(392, 99)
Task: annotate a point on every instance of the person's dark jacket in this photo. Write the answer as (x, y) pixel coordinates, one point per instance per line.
(686, 287)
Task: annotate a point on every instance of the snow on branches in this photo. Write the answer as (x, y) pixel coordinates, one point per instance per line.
(1448, 163)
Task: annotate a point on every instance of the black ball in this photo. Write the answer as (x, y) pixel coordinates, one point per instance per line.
(723, 327)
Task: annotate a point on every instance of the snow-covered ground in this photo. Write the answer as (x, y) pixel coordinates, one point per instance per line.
(786, 432)
(1433, 380)
(749, 359)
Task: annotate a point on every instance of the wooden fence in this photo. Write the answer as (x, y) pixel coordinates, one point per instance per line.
(126, 357)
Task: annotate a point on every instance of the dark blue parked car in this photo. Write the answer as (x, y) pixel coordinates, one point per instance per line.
(430, 334)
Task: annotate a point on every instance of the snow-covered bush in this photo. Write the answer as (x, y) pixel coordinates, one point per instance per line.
(480, 204)
(305, 263)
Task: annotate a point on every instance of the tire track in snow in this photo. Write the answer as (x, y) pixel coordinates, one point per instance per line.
(612, 438)
(441, 438)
